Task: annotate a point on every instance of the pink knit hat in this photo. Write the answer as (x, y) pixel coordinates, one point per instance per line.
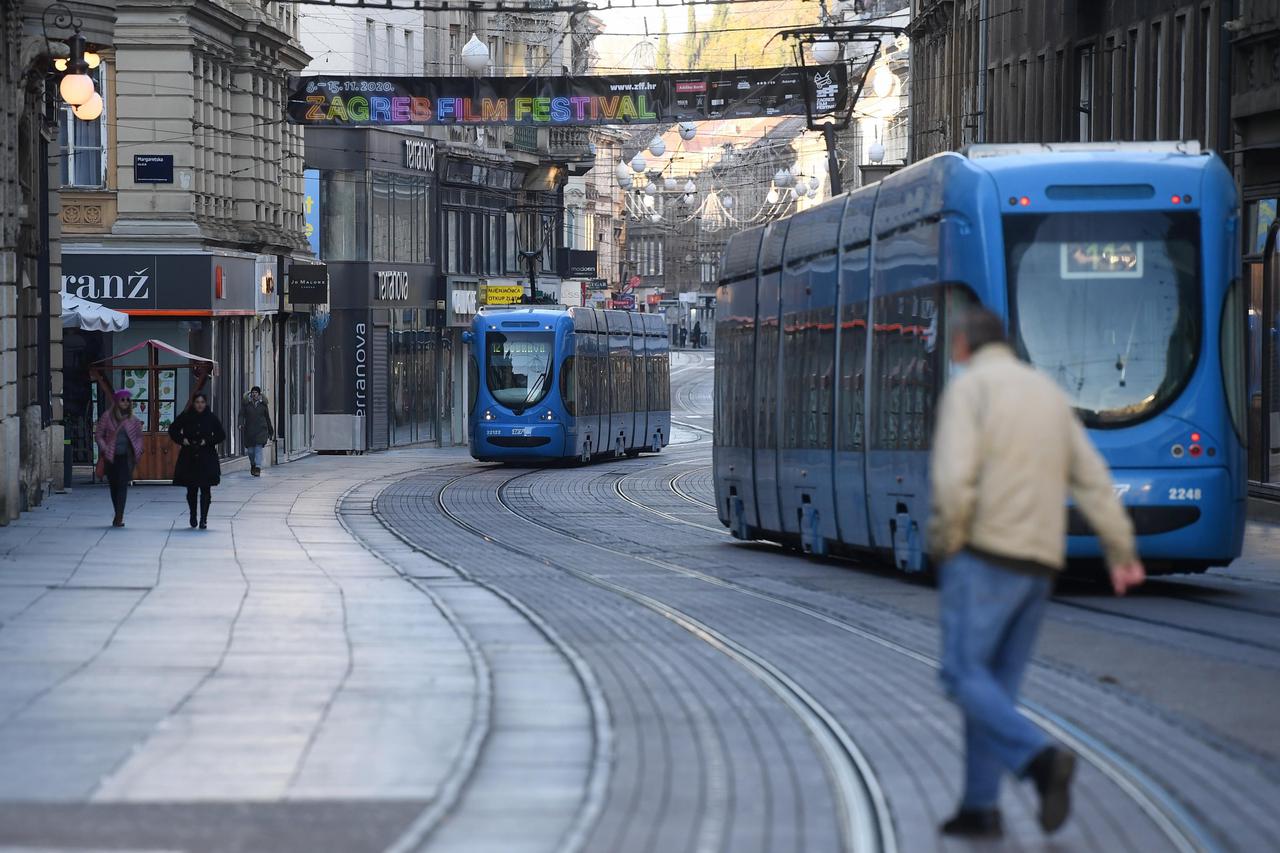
(124, 394)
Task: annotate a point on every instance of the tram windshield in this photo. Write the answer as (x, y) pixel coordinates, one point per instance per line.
(518, 367)
(1108, 304)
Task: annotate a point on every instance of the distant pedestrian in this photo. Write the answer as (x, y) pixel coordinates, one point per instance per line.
(255, 427)
(697, 334)
(684, 334)
(199, 432)
(119, 438)
(1008, 451)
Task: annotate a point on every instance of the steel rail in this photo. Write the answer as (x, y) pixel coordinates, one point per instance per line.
(868, 823)
(1184, 832)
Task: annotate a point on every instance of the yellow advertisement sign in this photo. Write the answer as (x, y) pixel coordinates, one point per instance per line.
(502, 294)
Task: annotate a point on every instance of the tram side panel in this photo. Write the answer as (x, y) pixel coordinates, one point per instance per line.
(807, 360)
(768, 339)
(849, 439)
(658, 402)
(639, 382)
(735, 384)
(620, 381)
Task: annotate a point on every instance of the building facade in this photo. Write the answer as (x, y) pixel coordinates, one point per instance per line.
(489, 208)
(182, 206)
(32, 36)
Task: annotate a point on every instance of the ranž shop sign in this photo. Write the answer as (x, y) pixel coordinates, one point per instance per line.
(140, 282)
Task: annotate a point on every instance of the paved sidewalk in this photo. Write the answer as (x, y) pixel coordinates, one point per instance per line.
(269, 662)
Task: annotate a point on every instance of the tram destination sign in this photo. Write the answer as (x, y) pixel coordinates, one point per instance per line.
(364, 101)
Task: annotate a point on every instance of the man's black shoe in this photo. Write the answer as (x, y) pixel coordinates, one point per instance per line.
(975, 823)
(1051, 770)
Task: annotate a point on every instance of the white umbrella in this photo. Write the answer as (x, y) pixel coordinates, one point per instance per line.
(90, 316)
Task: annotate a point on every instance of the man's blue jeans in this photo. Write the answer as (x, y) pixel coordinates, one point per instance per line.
(255, 455)
(990, 618)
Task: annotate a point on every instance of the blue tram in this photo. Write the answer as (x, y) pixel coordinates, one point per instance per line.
(1117, 267)
(552, 383)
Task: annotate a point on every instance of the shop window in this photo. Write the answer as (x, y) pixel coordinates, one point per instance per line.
(383, 212)
(344, 217)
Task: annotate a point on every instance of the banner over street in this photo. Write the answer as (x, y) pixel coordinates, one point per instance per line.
(365, 101)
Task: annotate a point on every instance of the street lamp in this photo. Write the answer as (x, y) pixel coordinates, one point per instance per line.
(475, 55)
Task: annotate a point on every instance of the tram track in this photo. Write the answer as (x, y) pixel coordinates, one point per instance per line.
(1182, 830)
(867, 824)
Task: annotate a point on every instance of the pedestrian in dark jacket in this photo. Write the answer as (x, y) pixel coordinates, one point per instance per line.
(697, 334)
(199, 432)
(255, 427)
(119, 438)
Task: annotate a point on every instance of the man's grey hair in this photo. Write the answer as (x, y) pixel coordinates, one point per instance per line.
(980, 327)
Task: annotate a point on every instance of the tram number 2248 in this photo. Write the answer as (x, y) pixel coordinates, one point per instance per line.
(1179, 494)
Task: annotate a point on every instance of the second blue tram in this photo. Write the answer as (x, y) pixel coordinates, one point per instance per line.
(1117, 268)
(554, 383)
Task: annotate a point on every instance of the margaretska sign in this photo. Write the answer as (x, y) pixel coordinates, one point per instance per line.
(547, 101)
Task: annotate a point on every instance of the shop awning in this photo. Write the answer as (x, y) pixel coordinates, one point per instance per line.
(80, 313)
(169, 348)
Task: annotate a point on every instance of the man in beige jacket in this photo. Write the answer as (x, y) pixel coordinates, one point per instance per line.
(1008, 450)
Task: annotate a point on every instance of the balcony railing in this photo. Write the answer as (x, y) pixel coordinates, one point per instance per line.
(571, 143)
(525, 139)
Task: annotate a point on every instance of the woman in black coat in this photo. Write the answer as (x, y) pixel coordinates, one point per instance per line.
(199, 432)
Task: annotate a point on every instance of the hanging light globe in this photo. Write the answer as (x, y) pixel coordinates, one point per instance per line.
(657, 147)
(475, 54)
(625, 182)
(90, 109)
(883, 82)
(638, 163)
(815, 183)
(669, 185)
(796, 195)
(651, 188)
(623, 171)
(690, 187)
(76, 89)
(875, 153)
(688, 130)
(783, 178)
(812, 192)
(772, 197)
(826, 52)
(648, 202)
(726, 202)
(656, 217)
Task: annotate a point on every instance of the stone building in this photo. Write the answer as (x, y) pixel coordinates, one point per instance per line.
(191, 182)
(31, 410)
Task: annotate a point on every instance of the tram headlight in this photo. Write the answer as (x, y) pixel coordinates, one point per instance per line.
(548, 415)
(489, 415)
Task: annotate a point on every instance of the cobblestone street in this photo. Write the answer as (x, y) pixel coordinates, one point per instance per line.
(413, 651)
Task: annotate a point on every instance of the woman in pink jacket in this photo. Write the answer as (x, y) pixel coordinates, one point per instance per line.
(119, 437)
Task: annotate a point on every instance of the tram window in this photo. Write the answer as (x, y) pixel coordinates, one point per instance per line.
(853, 355)
(568, 386)
(1107, 305)
(906, 365)
(1232, 341)
(473, 383)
